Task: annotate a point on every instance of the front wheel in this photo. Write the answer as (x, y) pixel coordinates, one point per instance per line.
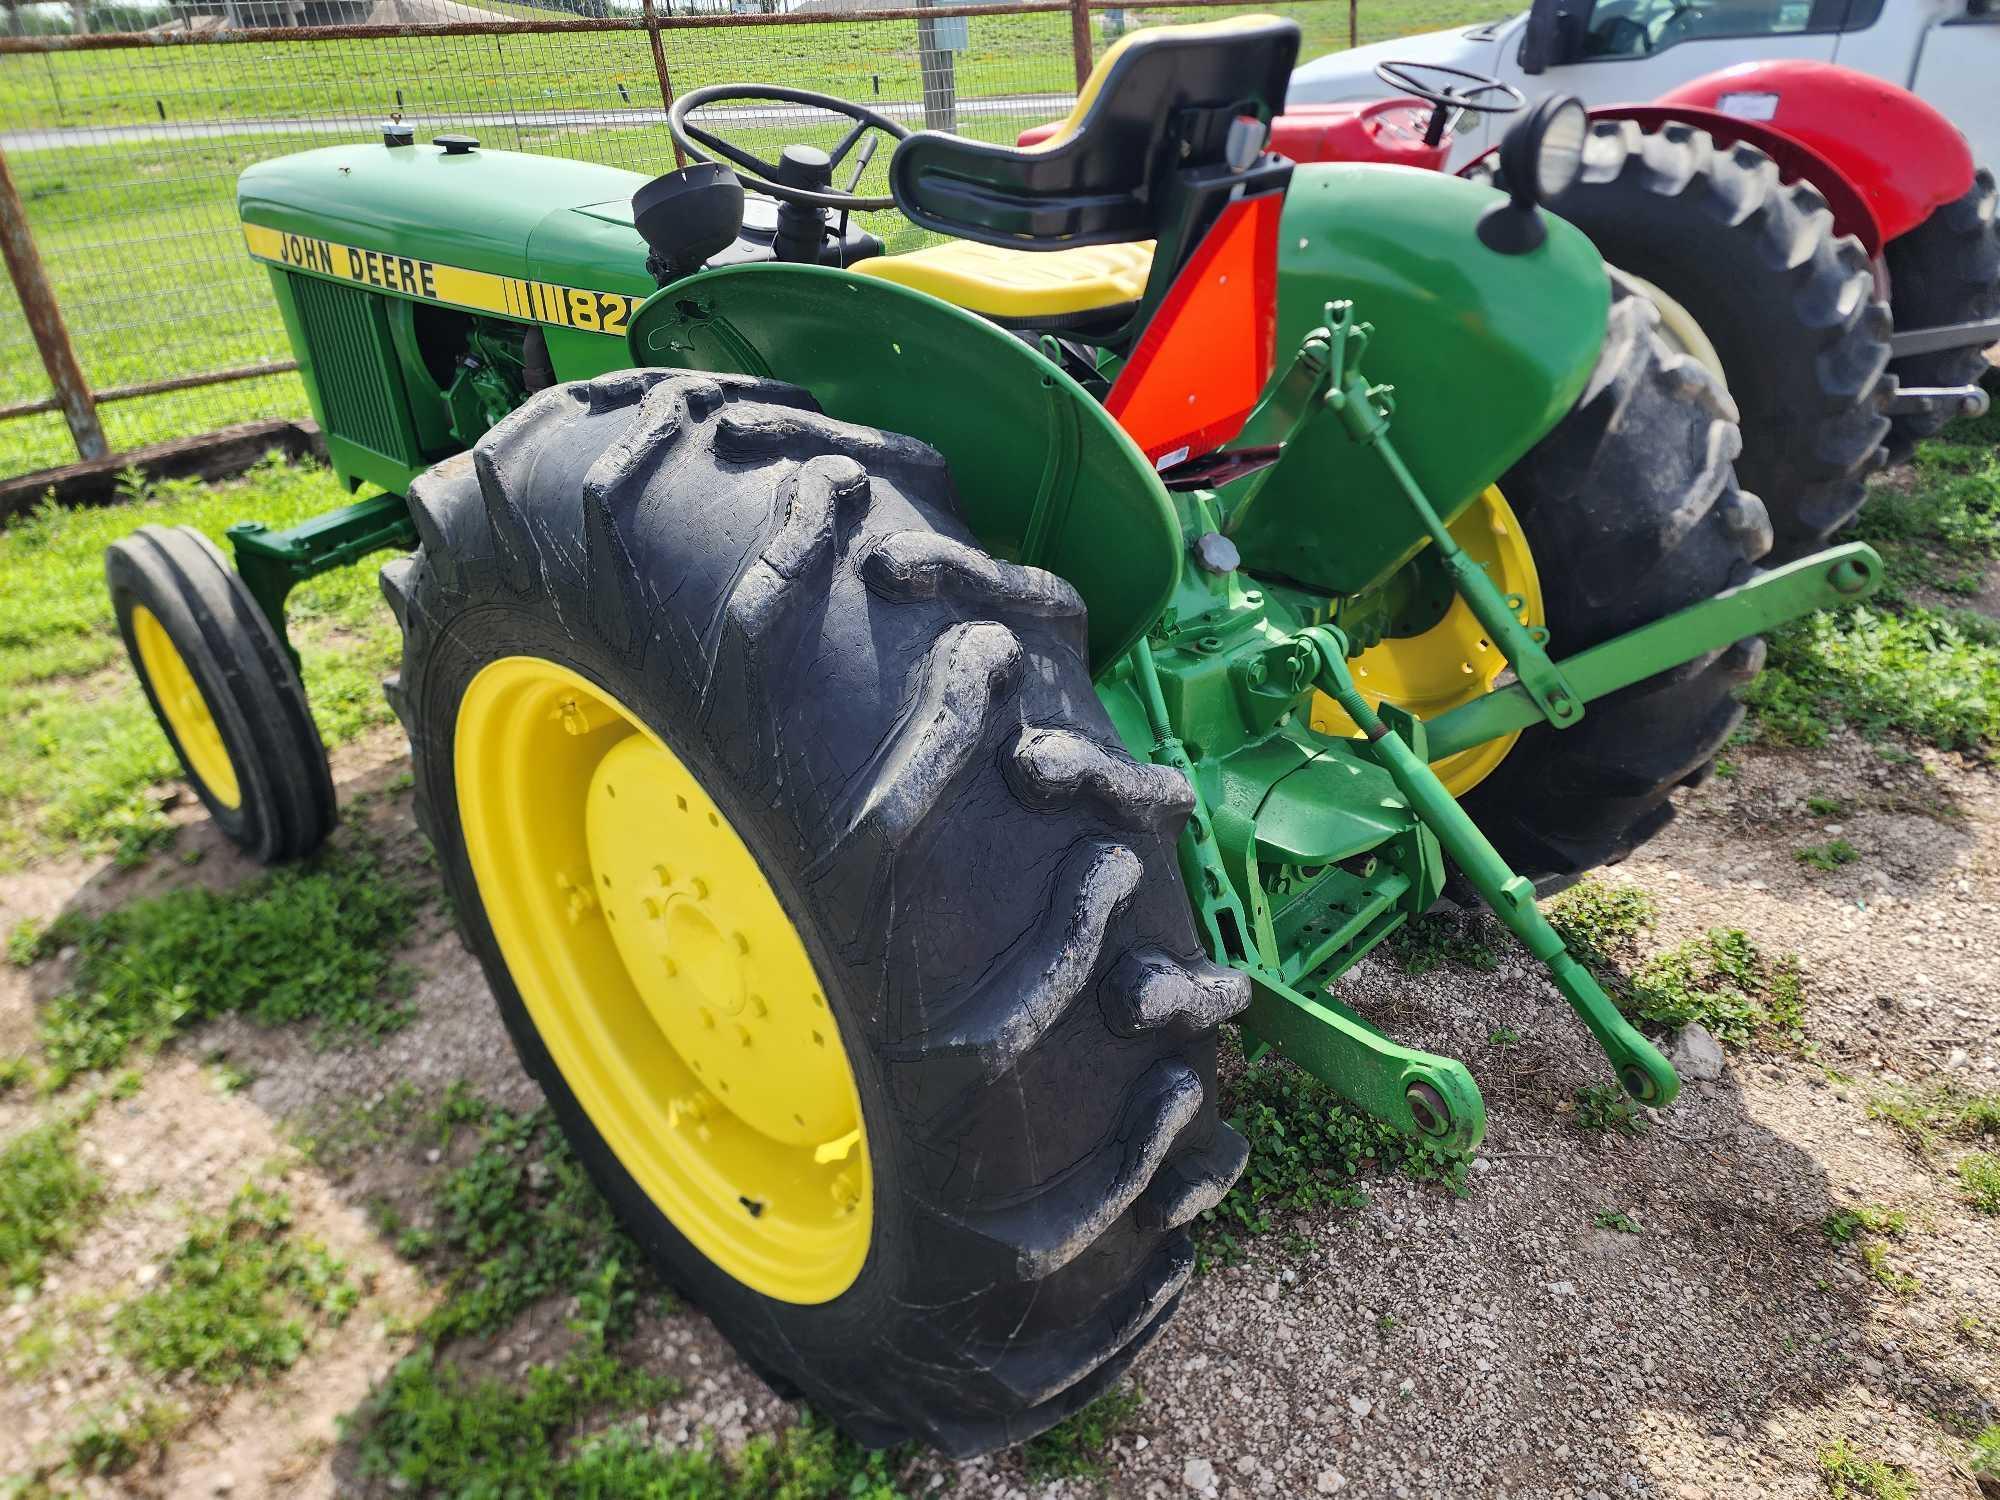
(224, 691)
(818, 895)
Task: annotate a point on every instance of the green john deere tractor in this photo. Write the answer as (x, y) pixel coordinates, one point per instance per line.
(864, 705)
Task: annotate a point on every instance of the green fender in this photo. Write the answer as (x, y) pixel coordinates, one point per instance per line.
(1042, 472)
(1486, 352)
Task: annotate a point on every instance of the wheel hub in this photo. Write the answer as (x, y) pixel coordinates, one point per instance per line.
(184, 708)
(665, 977)
(1453, 662)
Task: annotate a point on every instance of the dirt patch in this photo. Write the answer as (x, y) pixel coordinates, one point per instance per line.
(1505, 1342)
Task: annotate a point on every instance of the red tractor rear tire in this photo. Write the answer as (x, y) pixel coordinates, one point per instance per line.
(1946, 270)
(1788, 304)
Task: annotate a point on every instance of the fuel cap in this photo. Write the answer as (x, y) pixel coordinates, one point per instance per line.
(454, 145)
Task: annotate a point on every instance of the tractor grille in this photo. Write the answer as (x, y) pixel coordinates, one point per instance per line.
(354, 365)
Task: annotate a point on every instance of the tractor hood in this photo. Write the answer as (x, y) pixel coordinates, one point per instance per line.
(502, 212)
(1351, 74)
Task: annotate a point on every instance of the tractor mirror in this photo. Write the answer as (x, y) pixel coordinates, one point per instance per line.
(1538, 38)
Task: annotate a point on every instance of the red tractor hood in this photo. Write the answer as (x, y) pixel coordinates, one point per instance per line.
(1375, 130)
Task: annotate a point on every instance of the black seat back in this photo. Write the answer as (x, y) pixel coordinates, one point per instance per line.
(1093, 182)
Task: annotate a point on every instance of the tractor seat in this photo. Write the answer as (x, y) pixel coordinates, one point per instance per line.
(1023, 288)
(1165, 99)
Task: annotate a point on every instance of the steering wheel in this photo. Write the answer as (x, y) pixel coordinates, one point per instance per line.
(803, 174)
(1444, 99)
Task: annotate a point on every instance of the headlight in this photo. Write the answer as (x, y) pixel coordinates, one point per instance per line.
(1559, 152)
(1539, 157)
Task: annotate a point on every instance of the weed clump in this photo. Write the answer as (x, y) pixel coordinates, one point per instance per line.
(47, 1199)
(231, 1302)
(1307, 1150)
(315, 942)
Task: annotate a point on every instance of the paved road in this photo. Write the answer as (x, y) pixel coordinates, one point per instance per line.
(1038, 106)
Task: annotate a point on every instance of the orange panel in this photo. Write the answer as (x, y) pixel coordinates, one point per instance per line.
(1201, 365)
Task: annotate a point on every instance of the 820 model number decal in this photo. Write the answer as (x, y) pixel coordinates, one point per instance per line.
(433, 281)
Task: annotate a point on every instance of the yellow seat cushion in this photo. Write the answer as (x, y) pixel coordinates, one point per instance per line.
(1005, 283)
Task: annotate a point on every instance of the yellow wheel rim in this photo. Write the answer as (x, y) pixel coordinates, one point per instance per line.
(1453, 662)
(185, 710)
(665, 978)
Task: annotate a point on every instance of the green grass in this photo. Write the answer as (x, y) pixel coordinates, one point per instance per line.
(1437, 938)
(1849, 1476)
(234, 1300)
(436, 1431)
(1827, 857)
(1601, 923)
(1908, 663)
(1979, 1177)
(80, 753)
(1606, 1109)
(310, 942)
(1928, 1116)
(1984, 1458)
(1869, 1228)
(520, 1221)
(114, 1438)
(1844, 1225)
(1307, 1151)
(1722, 981)
(1931, 676)
(1074, 1447)
(439, 76)
(517, 1223)
(47, 1199)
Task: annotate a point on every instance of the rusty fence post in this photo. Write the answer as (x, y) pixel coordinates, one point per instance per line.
(45, 320)
(1354, 23)
(660, 70)
(1079, 37)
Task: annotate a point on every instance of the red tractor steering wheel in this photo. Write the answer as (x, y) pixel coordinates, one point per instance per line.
(803, 174)
(1445, 98)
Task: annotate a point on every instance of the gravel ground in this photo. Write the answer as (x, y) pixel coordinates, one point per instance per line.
(1495, 1343)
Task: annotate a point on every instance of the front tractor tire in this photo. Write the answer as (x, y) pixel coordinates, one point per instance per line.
(224, 690)
(1788, 305)
(1631, 511)
(818, 895)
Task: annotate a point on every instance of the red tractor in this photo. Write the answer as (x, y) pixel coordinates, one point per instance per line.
(1820, 239)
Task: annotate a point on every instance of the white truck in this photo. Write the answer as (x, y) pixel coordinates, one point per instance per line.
(1946, 52)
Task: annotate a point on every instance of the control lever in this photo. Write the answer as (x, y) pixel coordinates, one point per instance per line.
(860, 165)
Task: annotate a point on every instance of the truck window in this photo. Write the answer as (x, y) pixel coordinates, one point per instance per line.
(1640, 28)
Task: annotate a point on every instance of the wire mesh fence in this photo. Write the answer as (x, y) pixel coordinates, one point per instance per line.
(124, 126)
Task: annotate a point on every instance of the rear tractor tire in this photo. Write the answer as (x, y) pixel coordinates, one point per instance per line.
(1626, 512)
(224, 690)
(1632, 511)
(818, 895)
(1788, 305)
(1946, 270)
